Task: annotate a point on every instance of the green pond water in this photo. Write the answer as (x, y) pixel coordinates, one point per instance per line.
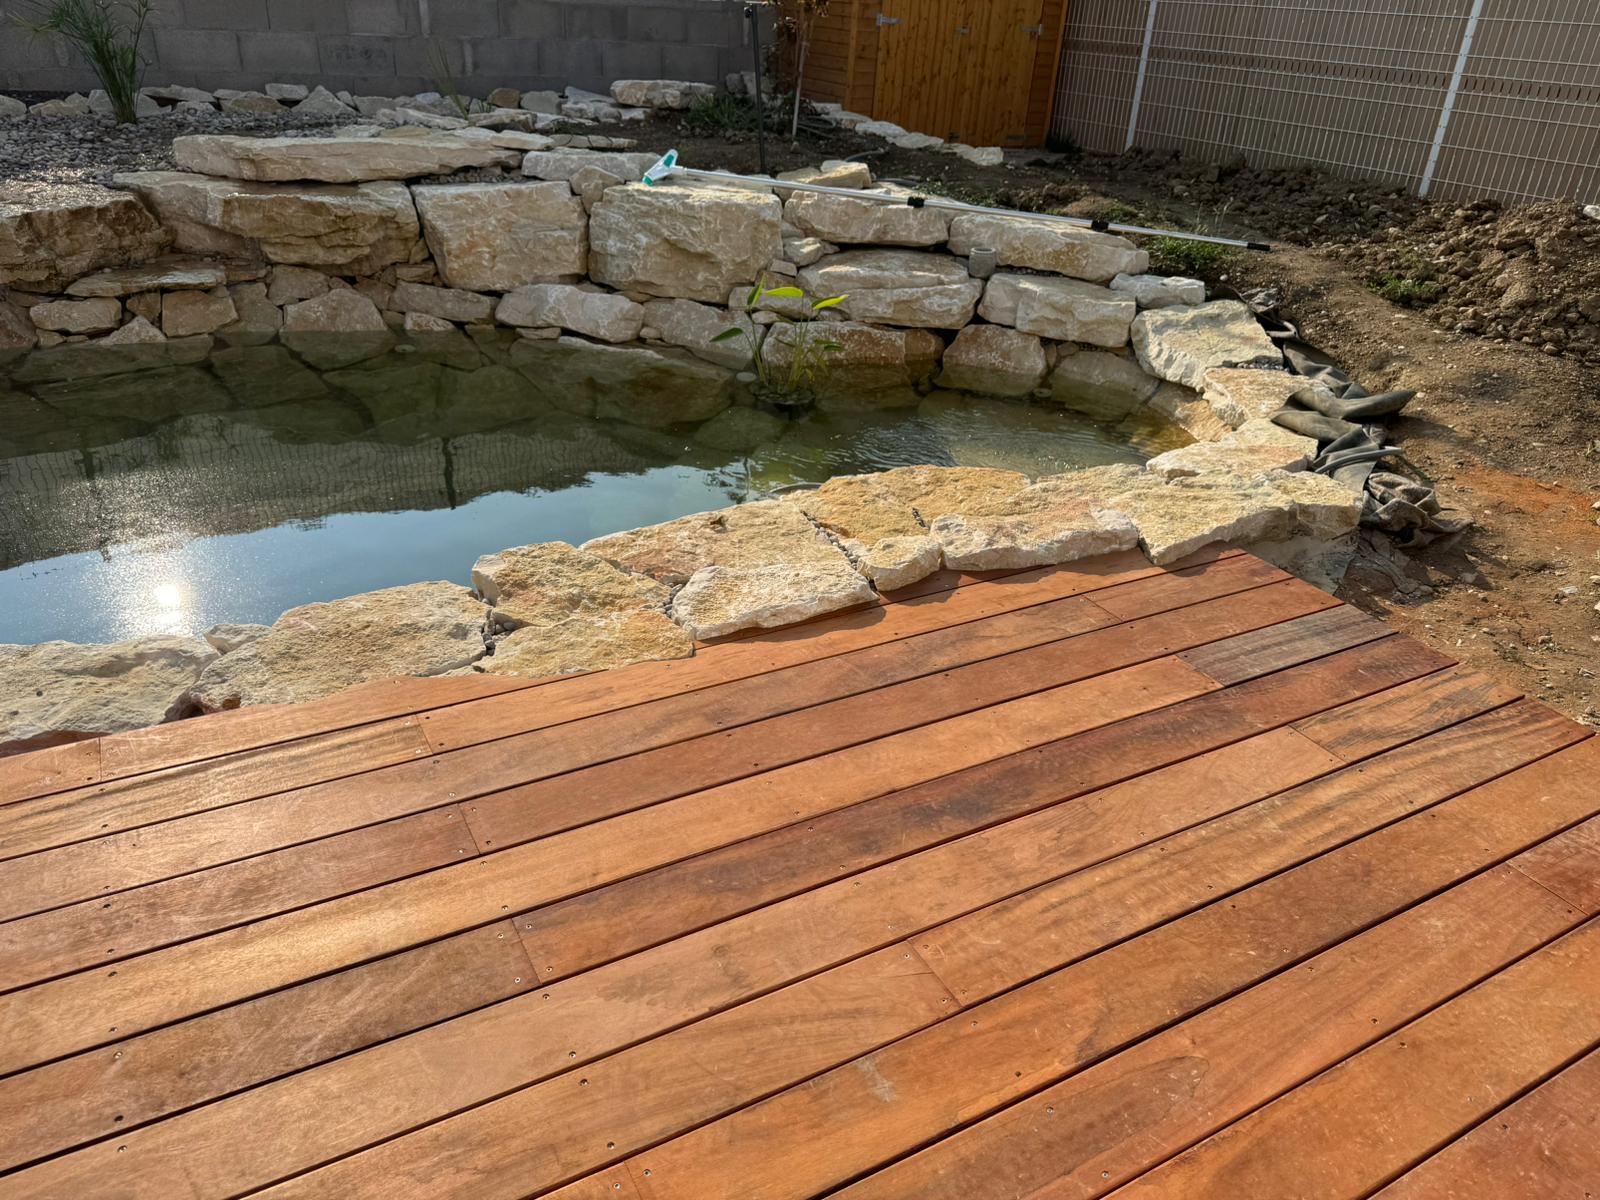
(141, 496)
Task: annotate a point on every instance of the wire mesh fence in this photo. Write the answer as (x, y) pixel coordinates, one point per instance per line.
(1452, 98)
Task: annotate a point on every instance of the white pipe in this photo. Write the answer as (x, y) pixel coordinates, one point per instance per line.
(1450, 97)
(668, 166)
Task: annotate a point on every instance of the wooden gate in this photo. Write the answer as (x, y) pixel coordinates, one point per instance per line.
(960, 69)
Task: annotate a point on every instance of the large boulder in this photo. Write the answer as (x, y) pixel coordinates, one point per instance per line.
(896, 287)
(659, 93)
(319, 649)
(764, 533)
(636, 384)
(846, 220)
(1238, 395)
(335, 159)
(603, 315)
(1228, 458)
(1160, 291)
(58, 692)
(1068, 310)
(994, 359)
(721, 600)
(355, 230)
(493, 237)
(1100, 384)
(50, 236)
(1182, 343)
(695, 327)
(866, 358)
(336, 329)
(862, 510)
(1049, 246)
(679, 242)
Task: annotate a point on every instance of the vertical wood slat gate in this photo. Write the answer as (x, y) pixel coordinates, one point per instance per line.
(959, 69)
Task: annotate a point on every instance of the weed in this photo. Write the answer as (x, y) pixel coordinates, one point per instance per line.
(723, 113)
(1180, 256)
(807, 354)
(108, 33)
(1411, 283)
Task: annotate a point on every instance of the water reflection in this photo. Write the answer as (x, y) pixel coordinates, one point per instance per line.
(149, 495)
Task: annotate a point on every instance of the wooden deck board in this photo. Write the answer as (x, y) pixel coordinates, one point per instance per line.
(1011, 884)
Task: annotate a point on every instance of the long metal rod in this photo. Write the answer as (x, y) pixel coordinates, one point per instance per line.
(1449, 106)
(668, 167)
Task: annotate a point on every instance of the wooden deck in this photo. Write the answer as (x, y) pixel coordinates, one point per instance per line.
(1092, 880)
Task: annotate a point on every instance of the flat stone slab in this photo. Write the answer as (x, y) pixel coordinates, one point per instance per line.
(846, 220)
(1228, 458)
(1239, 394)
(1048, 246)
(173, 276)
(902, 502)
(760, 534)
(57, 692)
(1058, 534)
(721, 600)
(51, 235)
(1184, 342)
(335, 159)
(588, 642)
(319, 649)
(550, 581)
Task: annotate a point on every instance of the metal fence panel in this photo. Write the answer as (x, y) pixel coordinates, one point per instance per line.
(1452, 97)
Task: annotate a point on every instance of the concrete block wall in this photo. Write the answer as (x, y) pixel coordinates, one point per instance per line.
(386, 47)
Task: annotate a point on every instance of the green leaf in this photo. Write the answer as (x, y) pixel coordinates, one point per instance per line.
(754, 296)
(830, 347)
(728, 335)
(828, 303)
(785, 293)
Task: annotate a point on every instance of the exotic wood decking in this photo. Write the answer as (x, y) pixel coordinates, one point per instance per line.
(1102, 879)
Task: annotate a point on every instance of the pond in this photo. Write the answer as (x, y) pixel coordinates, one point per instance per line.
(139, 498)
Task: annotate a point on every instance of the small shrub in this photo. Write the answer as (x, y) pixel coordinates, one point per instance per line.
(1407, 292)
(1180, 256)
(108, 33)
(712, 115)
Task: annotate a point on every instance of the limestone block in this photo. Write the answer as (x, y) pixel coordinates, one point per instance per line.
(896, 287)
(339, 159)
(1181, 344)
(673, 242)
(494, 237)
(1068, 310)
(1158, 291)
(1048, 246)
(995, 360)
(602, 315)
(717, 600)
(846, 220)
(50, 236)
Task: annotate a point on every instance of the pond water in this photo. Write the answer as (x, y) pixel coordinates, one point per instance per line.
(172, 497)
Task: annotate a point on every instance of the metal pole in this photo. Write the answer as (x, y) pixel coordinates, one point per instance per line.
(1449, 106)
(1138, 83)
(668, 166)
(752, 13)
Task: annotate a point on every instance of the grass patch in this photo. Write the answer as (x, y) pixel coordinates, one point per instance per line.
(1180, 256)
(1412, 282)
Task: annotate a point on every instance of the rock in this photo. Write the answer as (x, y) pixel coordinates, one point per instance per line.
(538, 584)
(1226, 458)
(50, 236)
(540, 102)
(898, 562)
(259, 319)
(334, 159)
(596, 642)
(450, 304)
(1157, 291)
(916, 141)
(833, 173)
(137, 332)
(980, 156)
(511, 139)
(721, 600)
(802, 252)
(993, 359)
(176, 275)
(57, 692)
(421, 119)
(336, 329)
(186, 313)
(636, 384)
(673, 242)
(562, 165)
(763, 533)
(319, 649)
(868, 358)
(12, 108)
(846, 220)
(226, 638)
(1059, 534)
(896, 287)
(78, 316)
(286, 284)
(1238, 395)
(740, 430)
(1262, 432)
(602, 315)
(693, 326)
(18, 333)
(178, 94)
(355, 230)
(288, 91)
(143, 106)
(1181, 344)
(1323, 507)
(324, 102)
(494, 237)
(72, 106)
(504, 97)
(660, 93)
(880, 129)
(1048, 246)
(252, 102)
(422, 323)
(1064, 309)
(1187, 411)
(864, 509)
(1100, 384)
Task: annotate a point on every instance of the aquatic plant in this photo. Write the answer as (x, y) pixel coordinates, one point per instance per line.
(808, 353)
(108, 34)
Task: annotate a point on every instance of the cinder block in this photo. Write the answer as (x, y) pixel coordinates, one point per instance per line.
(225, 14)
(573, 62)
(586, 20)
(465, 18)
(394, 17)
(630, 60)
(708, 24)
(651, 24)
(532, 19)
(21, 50)
(313, 16)
(295, 53)
(702, 64)
(508, 62)
(369, 57)
(418, 57)
(198, 49)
